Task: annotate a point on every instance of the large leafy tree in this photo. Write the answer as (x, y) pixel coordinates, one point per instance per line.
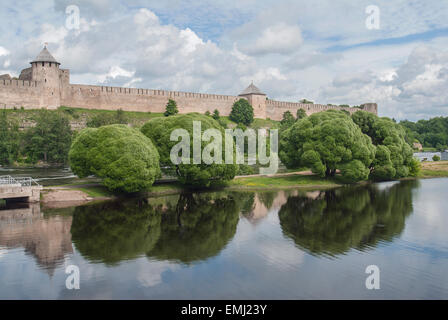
(159, 131)
(327, 141)
(50, 139)
(394, 156)
(123, 157)
(242, 112)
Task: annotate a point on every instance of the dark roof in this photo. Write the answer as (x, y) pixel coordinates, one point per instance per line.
(251, 89)
(45, 56)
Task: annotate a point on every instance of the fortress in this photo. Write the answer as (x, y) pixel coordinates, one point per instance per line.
(46, 85)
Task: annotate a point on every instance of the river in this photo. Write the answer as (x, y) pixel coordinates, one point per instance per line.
(234, 245)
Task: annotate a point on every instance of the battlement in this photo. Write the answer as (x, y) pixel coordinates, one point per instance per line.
(150, 92)
(19, 83)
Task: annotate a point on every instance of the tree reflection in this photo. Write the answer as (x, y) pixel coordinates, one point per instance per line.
(198, 228)
(349, 217)
(194, 227)
(113, 231)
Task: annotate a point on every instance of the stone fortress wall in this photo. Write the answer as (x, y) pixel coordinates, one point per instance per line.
(45, 85)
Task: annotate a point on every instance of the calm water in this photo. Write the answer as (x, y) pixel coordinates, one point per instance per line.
(274, 245)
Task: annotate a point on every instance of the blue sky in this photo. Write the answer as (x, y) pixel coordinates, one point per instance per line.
(319, 50)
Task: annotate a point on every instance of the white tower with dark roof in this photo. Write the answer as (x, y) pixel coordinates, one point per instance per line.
(45, 70)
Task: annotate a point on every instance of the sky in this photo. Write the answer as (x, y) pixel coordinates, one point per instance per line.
(324, 51)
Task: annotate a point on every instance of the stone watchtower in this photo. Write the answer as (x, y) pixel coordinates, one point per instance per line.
(45, 70)
(257, 99)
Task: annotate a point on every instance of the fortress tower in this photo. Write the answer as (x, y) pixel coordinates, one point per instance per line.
(257, 99)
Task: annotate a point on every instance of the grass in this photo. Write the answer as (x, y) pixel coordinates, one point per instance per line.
(264, 182)
(95, 191)
(434, 169)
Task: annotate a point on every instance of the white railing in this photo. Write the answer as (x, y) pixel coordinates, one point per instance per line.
(23, 181)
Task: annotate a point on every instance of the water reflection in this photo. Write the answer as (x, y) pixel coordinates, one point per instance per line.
(113, 231)
(334, 221)
(47, 239)
(198, 227)
(194, 227)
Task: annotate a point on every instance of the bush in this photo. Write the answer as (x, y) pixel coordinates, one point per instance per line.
(242, 112)
(435, 158)
(159, 131)
(105, 119)
(123, 157)
(207, 113)
(215, 114)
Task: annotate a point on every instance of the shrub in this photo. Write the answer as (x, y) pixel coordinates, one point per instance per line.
(435, 158)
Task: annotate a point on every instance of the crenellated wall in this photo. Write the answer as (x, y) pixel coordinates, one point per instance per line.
(144, 100)
(275, 109)
(21, 93)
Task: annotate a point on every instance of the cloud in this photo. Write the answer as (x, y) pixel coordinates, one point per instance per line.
(278, 38)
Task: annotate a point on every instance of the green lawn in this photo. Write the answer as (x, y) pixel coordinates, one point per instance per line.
(264, 182)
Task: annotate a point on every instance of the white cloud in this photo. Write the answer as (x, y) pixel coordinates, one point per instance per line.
(278, 38)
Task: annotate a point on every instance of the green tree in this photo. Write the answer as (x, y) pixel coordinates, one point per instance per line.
(287, 120)
(394, 158)
(300, 114)
(242, 112)
(435, 158)
(327, 141)
(159, 131)
(216, 114)
(50, 139)
(9, 140)
(122, 157)
(305, 101)
(171, 108)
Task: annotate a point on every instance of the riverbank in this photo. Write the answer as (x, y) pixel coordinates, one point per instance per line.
(83, 192)
(434, 169)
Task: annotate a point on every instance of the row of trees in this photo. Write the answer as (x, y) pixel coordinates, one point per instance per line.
(432, 133)
(49, 140)
(361, 147)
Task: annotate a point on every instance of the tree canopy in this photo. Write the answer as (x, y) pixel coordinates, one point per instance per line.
(159, 131)
(327, 141)
(394, 156)
(431, 133)
(50, 139)
(242, 112)
(123, 157)
(9, 140)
